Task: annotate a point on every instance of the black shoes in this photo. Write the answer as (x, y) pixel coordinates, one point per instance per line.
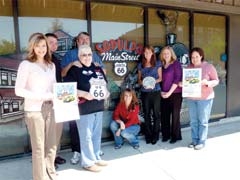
(59, 160)
(56, 166)
(165, 139)
(172, 141)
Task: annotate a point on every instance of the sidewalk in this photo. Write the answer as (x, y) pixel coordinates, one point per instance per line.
(219, 160)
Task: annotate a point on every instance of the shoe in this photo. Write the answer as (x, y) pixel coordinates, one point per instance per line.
(101, 153)
(59, 160)
(199, 146)
(101, 163)
(76, 158)
(117, 146)
(165, 139)
(93, 168)
(136, 146)
(148, 141)
(191, 145)
(172, 141)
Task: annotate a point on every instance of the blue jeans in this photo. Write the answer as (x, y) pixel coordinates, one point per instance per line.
(199, 112)
(90, 132)
(130, 133)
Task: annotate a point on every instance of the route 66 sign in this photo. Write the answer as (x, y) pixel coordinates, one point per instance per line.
(120, 69)
(98, 88)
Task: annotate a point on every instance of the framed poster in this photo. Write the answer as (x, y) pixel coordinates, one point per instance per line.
(191, 83)
(65, 102)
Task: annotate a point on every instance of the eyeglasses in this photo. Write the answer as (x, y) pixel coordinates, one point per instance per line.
(85, 55)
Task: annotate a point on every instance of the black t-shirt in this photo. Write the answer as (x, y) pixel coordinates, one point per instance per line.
(82, 76)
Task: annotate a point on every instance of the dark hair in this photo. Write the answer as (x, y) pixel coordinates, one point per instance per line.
(199, 51)
(51, 35)
(153, 58)
(83, 33)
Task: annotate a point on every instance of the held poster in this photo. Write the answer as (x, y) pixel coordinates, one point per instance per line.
(191, 83)
(65, 102)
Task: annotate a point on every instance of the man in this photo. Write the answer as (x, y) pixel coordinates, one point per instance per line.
(53, 45)
(70, 59)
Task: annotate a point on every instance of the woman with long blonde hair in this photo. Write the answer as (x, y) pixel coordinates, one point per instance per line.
(35, 79)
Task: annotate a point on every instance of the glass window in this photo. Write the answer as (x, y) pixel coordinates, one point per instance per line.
(117, 34)
(7, 38)
(113, 22)
(163, 22)
(210, 34)
(64, 18)
(169, 27)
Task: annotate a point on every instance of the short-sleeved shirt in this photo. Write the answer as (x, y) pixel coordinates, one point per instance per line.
(83, 76)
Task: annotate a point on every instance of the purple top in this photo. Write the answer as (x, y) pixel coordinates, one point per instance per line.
(171, 75)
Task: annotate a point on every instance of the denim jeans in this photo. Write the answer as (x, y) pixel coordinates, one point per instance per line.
(199, 112)
(90, 132)
(130, 133)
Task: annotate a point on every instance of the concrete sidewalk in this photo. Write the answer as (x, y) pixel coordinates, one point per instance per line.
(219, 160)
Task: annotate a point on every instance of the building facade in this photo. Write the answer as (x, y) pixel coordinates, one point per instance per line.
(118, 32)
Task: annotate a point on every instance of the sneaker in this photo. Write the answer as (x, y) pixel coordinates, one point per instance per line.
(191, 145)
(136, 146)
(117, 146)
(199, 146)
(101, 153)
(76, 158)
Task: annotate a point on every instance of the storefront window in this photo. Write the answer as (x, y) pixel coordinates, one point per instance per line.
(210, 34)
(163, 22)
(7, 39)
(113, 22)
(169, 27)
(64, 18)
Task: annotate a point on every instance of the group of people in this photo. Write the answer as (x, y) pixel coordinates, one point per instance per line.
(161, 95)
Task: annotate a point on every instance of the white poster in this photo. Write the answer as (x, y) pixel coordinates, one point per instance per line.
(65, 102)
(191, 83)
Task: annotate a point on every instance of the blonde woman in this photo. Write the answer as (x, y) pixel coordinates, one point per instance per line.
(171, 96)
(35, 79)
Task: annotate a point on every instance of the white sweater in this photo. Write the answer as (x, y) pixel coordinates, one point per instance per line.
(34, 84)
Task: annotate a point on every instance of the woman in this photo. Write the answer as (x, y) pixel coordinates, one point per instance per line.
(35, 79)
(200, 107)
(91, 85)
(149, 77)
(171, 96)
(125, 122)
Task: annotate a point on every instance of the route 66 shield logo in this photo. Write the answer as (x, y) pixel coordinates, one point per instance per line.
(120, 69)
